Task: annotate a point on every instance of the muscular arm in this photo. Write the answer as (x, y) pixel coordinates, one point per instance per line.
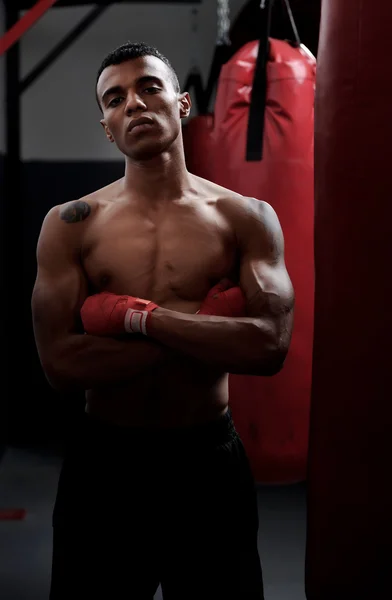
(252, 345)
(71, 359)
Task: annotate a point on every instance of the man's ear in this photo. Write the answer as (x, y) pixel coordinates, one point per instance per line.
(106, 129)
(185, 105)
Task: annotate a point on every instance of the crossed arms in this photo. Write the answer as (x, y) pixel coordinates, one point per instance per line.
(255, 345)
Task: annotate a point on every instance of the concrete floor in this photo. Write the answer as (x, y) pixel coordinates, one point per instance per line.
(28, 480)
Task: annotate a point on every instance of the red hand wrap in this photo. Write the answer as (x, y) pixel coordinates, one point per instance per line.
(224, 300)
(108, 314)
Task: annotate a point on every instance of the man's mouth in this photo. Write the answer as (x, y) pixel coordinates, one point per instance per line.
(141, 122)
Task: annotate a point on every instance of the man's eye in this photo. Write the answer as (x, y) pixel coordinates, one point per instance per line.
(151, 90)
(115, 101)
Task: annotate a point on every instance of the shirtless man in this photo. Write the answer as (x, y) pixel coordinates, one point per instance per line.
(156, 486)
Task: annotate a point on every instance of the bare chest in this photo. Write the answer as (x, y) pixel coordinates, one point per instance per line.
(176, 256)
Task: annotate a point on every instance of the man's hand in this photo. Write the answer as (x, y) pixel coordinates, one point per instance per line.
(224, 300)
(107, 314)
(110, 315)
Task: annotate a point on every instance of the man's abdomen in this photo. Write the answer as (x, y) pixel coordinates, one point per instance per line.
(183, 392)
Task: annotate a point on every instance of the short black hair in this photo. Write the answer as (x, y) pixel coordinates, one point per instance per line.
(131, 50)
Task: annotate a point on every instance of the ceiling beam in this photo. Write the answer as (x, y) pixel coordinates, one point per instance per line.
(26, 4)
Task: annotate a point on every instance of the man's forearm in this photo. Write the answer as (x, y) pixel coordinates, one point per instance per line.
(86, 361)
(235, 345)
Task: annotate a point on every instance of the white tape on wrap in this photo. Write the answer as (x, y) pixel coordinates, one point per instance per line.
(135, 321)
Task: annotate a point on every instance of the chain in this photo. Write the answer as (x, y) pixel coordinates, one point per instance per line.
(194, 20)
(223, 10)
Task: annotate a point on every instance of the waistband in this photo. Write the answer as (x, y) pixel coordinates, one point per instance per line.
(210, 434)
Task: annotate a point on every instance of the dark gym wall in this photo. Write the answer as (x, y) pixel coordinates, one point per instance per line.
(2, 93)
(3, 405)
(2, 86)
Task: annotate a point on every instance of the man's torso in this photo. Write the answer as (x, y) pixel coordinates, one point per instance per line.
(172, 254)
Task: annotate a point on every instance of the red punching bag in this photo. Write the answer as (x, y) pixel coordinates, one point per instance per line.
(198, 148)
(349, 533)
(272, 414)
(197, 132)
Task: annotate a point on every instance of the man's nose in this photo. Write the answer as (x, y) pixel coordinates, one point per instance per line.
(134, 102)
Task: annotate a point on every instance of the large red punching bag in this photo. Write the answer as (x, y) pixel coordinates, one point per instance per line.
(272, 414)
(198, 147)
(349, 533)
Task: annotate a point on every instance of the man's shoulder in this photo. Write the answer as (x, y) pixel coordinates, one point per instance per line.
(250, 217)
(243, 208)
(227, 198)
(80, 209)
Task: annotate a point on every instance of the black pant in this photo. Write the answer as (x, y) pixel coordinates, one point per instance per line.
(136, 508)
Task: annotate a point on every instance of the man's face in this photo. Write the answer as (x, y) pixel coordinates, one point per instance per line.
(141, 88)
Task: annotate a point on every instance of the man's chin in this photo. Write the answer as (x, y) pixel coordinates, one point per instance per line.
(144, 152)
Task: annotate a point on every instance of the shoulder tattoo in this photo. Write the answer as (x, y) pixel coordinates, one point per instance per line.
(75, 212)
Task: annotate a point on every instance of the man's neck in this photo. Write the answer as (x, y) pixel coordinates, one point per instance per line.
(157, 180)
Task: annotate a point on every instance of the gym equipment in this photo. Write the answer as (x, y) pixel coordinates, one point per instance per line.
(349, 530)
(259, 143)
(198, 145)
(24, 24)
(272, 414)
